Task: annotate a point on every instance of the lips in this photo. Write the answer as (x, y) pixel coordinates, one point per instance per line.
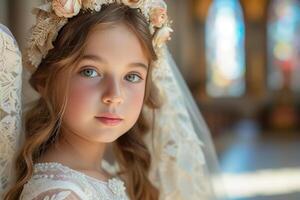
(109, 119)
(109, 116)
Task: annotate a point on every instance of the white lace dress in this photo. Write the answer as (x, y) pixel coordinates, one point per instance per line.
(54, 181)
(10, 104)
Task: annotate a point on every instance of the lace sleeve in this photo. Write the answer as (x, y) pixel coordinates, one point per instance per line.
(58, 194)
(50, 189)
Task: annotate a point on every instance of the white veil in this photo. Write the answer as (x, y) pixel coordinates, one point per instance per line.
(185, 162)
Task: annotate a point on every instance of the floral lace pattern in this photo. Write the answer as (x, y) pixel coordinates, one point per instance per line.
(178, 168)
(55, 181)
(10, 103)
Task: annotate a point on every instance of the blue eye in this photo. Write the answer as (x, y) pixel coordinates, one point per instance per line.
(133, 78)
(91, 73)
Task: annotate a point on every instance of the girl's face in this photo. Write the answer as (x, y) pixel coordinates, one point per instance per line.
(109, 83)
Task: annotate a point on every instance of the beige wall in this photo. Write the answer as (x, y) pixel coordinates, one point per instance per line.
(3, 12)
(20, 18)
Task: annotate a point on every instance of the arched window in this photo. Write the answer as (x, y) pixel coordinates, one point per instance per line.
(225, 49)
(284, 45)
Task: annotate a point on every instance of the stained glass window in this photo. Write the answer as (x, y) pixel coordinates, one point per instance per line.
(284, 45)
(225, 49)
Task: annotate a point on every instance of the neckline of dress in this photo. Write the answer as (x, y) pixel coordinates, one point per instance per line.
(74, 171)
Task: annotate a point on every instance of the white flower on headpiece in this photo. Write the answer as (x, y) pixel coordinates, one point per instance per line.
(88, 4)
(158, 16)
(93, 4)
(133, 3)
(66, 8)
(161, 36)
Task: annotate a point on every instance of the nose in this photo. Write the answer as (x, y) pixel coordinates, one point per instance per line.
(113, 94)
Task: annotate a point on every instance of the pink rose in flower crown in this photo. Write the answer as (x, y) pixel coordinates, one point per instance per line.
(161, 36)
(133, 3)
(158, 16)
(66, 8)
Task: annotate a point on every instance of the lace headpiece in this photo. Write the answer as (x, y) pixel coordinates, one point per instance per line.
(53, 15)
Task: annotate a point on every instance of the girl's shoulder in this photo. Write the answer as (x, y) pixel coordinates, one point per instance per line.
(56, 181)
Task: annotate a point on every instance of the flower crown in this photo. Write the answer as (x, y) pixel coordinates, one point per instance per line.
(53, 15)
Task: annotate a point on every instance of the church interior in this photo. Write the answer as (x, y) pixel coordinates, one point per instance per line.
(241, 61)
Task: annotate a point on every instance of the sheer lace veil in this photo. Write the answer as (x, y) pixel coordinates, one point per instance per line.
(185, 162)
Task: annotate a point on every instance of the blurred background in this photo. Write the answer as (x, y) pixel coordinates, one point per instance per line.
(241, 60)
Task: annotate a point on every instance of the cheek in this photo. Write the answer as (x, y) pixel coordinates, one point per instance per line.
(136, 97)
(80, 98)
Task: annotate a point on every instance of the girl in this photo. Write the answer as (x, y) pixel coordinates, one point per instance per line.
(93, 85)
(101, 69)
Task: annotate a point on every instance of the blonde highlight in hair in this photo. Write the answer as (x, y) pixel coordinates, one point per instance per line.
(43, 120)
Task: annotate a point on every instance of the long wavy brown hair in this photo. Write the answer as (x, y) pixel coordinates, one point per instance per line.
(43, 120)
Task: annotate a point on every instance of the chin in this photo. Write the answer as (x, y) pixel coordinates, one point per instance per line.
(106, 138)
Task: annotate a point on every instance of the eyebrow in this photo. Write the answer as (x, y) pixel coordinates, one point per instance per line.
(100, 59)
